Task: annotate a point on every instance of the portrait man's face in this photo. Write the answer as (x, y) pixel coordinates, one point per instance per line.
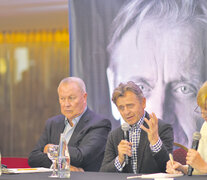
(166, 62)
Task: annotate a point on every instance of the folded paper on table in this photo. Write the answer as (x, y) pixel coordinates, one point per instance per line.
(25, 170)
(155, 175)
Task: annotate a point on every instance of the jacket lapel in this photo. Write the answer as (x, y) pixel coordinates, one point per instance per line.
(142, 145)
(80, 126)
(58, 130)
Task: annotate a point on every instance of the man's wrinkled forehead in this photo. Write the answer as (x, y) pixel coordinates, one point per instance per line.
(151, 35)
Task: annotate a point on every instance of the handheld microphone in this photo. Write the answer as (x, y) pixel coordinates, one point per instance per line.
(125, 127)
(196, 138)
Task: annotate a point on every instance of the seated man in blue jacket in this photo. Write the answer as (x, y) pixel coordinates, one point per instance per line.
(86, 132)
(150, 141)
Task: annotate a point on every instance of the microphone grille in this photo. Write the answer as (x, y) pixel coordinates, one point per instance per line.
(196, 136)
(125, 126)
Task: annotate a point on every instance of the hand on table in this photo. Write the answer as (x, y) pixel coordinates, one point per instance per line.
(175, 168)
(46, 148)
(76, 169)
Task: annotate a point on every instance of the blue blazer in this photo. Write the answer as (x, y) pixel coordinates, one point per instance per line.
(86, 146)
(147, 161)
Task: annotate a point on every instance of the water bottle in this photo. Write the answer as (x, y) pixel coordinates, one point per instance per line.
(63, 159)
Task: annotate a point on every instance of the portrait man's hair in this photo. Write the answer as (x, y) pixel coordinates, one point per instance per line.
(161, 45)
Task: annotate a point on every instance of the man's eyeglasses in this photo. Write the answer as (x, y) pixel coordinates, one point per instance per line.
(199, 111)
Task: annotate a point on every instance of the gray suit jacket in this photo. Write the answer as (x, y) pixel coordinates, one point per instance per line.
(148, 162)
(86, 146)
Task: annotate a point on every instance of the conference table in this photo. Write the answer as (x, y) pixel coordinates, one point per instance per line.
(86, 176)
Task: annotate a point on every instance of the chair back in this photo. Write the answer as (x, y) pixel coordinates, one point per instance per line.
(180, 153)
(15, 162)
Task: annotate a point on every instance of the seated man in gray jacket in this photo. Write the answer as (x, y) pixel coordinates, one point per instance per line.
(150, 141)
(86, 132)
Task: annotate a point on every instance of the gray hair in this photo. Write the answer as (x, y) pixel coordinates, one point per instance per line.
(77, 80)
(174, 12)
(129, 86)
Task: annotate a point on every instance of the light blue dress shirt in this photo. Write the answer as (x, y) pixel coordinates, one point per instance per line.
(68, 131)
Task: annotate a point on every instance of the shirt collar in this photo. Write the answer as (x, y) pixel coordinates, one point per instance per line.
(139, 123)
(75, 120)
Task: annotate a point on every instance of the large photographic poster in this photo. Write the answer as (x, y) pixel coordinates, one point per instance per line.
(159, 44)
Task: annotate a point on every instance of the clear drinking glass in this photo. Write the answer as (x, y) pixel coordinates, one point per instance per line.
(53, 155)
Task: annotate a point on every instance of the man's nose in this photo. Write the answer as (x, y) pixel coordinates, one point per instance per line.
(126, 111)
(155, 103)
(67, 102)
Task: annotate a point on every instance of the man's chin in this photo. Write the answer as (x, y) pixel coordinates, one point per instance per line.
(67, 114)
(130, 121)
